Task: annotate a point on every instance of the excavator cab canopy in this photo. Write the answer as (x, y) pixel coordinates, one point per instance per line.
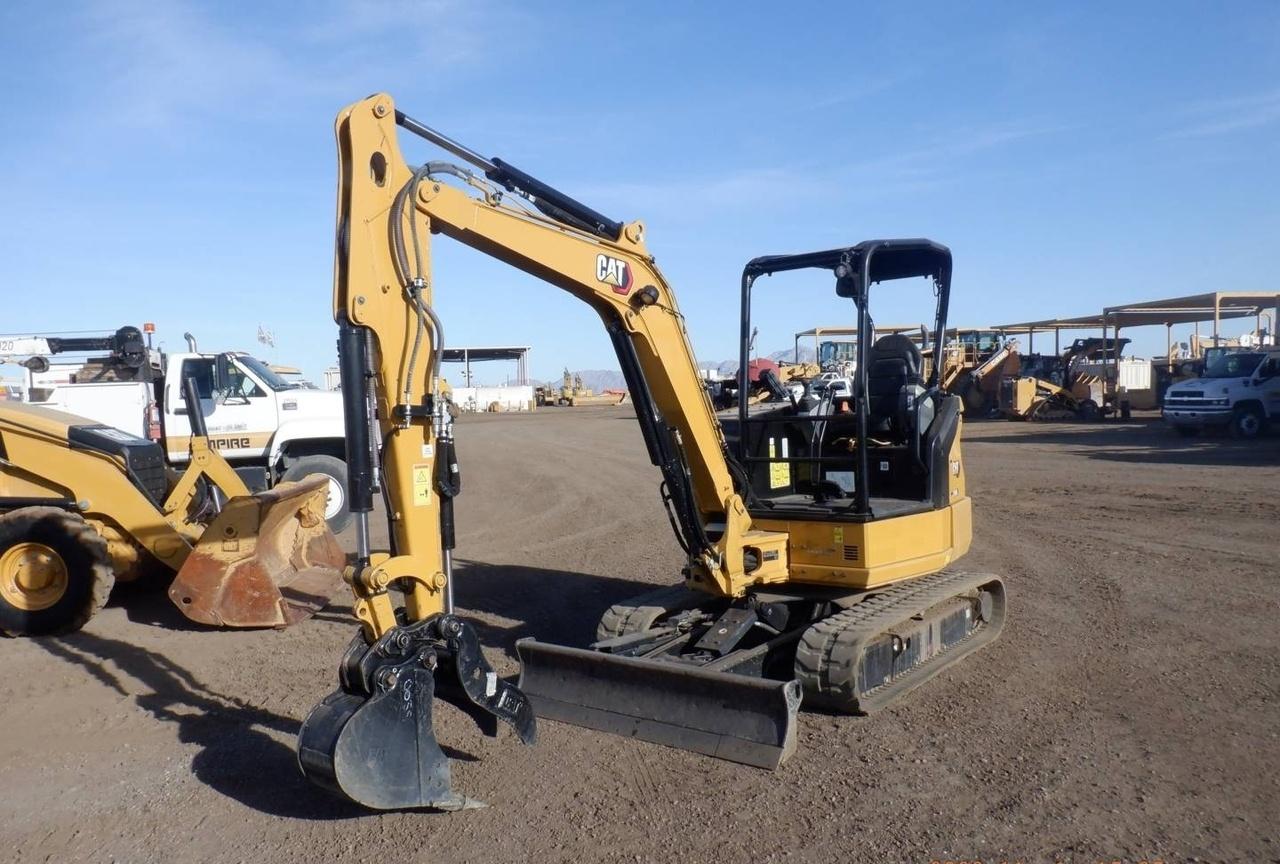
(812, 457)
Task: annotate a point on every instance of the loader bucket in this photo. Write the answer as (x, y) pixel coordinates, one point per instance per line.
(267, 560)
(734, 717)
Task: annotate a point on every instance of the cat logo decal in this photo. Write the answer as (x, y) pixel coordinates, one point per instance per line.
(615, 272)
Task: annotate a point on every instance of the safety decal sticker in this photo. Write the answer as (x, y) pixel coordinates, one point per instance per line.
(779, 472)
(421, 485)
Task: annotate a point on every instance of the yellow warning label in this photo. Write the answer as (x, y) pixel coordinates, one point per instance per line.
(421, 485)
(779, 472)
(838, 535)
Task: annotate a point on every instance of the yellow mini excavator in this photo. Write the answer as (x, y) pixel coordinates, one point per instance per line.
(818, 542)
(83, 506)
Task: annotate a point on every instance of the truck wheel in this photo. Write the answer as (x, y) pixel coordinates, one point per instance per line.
(1088, 411)
(55, 572)
(1248, 422)
(337, 511)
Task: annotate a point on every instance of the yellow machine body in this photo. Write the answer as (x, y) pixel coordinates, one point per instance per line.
(800, 573)
(146, 517)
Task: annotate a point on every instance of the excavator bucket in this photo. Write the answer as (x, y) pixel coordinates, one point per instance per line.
(267, 560)
(734, 717)
(372, 740)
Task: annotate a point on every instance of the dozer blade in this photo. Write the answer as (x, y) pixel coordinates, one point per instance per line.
(735, 717)
(267, 560)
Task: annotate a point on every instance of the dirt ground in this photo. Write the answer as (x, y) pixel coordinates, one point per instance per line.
(1129, 712)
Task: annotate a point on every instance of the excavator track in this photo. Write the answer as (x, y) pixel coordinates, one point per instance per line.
(861, 659)
(637, 614)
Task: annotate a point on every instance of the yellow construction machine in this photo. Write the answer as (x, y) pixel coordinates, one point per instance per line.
(1062, 388)
(83, 506)
(977, 381)
(573, 393)
(818, 544)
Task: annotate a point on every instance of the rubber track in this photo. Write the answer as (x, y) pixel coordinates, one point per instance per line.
(640, 613)
(829, 652)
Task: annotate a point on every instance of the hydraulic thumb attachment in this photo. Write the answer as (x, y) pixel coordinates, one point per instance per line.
(372, 740)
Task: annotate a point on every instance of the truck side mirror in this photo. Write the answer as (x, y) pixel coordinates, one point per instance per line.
(221, 372)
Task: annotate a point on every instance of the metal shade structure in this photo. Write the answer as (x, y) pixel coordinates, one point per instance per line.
(1215, 307)
(816, 334)
(467, 356)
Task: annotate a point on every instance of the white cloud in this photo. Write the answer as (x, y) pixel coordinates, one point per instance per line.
(1229, 115)
(165, 63)
(801, 184)
(162, 60)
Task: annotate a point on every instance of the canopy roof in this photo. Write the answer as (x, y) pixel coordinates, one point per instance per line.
(462, 355)
(1191, 309)
(853, 331)
(890, 259)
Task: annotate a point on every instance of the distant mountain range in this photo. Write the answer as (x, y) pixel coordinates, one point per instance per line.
(598, 380)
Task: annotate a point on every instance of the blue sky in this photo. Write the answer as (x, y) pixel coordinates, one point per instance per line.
(174, 162)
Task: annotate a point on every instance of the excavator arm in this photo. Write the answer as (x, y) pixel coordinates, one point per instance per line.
(387, 214)
(398, 432)
(703, 666)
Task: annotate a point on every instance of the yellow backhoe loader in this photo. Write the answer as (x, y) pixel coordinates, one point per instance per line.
(818, 544)
(83, 506)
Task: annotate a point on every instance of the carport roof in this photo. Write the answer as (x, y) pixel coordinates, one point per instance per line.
(460, 355)
(1190, 309)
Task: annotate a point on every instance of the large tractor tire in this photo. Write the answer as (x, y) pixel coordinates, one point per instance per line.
(55, 572)
(337, 511)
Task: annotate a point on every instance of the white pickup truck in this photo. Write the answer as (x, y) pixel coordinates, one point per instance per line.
(1239, 390)
(268, 428)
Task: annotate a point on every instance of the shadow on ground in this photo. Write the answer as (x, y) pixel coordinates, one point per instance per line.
(237, 756)
(241, 754)
(150, 605)
(551, 605)
(1150, 443)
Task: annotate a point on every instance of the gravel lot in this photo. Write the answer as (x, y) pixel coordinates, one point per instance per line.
(1128, 713)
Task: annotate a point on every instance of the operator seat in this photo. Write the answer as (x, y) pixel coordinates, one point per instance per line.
(894, 387)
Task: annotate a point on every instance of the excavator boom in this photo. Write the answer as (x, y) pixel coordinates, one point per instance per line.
(774, 589)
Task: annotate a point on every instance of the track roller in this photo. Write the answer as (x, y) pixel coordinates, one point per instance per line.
(859, 660)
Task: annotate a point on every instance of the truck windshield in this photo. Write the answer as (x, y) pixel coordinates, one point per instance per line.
(1239, 365)
(264, 373)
